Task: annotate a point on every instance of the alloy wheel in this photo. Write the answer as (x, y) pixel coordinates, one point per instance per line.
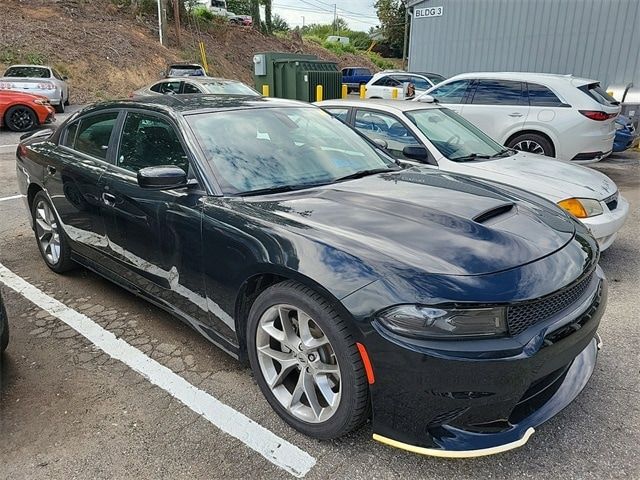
(22, 119)
(47, 232)
(529, 146)
(298, 363)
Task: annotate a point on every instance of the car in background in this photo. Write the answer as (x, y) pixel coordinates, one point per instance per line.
(244, 20)
(38, 80)
(558, 116)
(352, 286)
(627, 136)
(189, 86)
(4, 327)
(354, 77)
(185, 70)
(441, 139)
(21, 112)
(382, 84)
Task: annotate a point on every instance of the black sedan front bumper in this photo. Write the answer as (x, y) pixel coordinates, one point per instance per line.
(472, 398)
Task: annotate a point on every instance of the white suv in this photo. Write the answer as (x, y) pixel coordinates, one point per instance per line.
(554, 115)
(383, 83)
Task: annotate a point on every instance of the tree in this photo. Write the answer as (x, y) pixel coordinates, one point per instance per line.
(239, 7)
(279, 24)
(255, 13)
(267, 16)
(391, 14)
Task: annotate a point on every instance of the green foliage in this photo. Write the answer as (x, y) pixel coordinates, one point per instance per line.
(202, 13)
(318, 33)
(239, 7)
(392, 17)
(314, 39)
(279, 24)
(339, 48)
(380, 62)
(10, 56)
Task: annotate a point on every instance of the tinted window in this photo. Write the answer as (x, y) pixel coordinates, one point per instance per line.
(363, 71)
(380, 126)
(281, 147)
(498, 92)
(598, 93)
(190, 88)
(167, 87)
(32, 72)
(70, 135)
(387, 81)
(56, 74)
(339, 113)
(541, 96)
(149, 141)
(420, 83)
(186, 72)
(451, 92)
(220, 87)
(94, 133)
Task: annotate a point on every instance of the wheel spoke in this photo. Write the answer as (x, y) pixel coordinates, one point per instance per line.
(327, 369)
(306, 336)
(325, 389)
(43, 226)
(291, 338)
(280, 357)
(278, 378)
(309, 387)
(297, 393)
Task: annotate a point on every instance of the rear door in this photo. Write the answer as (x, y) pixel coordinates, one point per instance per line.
(497, 107)
(74, 176)
(154, 235)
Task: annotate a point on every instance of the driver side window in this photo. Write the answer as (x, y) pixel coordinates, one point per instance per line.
(150, 141)
(381, 126)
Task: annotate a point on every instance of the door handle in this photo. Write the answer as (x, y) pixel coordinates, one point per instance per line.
(51, 169)
(109, 199)
(515, 114)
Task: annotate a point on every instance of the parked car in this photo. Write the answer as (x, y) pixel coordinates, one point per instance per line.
(4, 327)
(185, 70)
(450, 143)
(185, 86)
(244, 20)
(288, 239)
(21, 112)
(626, 134)
(38, 80)
(354, 77)
(554, 115)
(383, 83)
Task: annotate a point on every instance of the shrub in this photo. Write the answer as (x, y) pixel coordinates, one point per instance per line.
(202, 13)
(379, 61)
(339, 48)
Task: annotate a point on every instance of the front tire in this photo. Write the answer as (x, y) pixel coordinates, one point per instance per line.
(20, 118)
(51, 239)
(532, 143)
(306, 362)
(60, 107)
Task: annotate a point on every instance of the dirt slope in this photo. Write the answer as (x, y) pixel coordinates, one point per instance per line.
(107, 51)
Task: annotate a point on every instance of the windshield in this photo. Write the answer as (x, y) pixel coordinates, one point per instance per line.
(28, 72)
(271, 148)
(229, 88)
(452, 135)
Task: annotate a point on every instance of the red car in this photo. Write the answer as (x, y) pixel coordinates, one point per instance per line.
(22, 111)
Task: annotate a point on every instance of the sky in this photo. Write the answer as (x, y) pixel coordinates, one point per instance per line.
(359, 14)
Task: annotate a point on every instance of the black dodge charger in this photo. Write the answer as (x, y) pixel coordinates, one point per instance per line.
(456, 313)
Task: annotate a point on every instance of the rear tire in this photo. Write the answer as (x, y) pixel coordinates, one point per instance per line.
(20, 118)
(317, 354)
(60, 107)
(532, 143)
(52, 242)
(4, 321)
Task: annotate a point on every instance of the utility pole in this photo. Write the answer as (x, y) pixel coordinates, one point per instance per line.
(176, 19)
(335, 18)
(302, 21)
(162, 21)
(405, 44)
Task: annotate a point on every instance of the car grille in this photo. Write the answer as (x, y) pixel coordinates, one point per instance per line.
(521, 317)
(612, 201)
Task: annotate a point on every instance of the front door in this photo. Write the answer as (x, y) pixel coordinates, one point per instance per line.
(154, 236)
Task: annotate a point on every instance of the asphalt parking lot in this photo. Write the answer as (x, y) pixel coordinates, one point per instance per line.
(70, 410)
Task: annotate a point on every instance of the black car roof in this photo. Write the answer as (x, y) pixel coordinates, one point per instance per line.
(186, 104)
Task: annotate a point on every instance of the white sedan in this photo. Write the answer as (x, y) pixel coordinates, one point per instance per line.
(38, 80)
(437, 137)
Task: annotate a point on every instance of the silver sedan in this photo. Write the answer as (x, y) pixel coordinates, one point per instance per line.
(38, 80)
(190, 85)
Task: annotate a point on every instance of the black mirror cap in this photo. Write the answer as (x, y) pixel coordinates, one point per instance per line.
(417, 152)
(163, 177)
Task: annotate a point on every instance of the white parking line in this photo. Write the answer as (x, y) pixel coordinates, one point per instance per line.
(9, 146)
(12, 197)
(275, 449)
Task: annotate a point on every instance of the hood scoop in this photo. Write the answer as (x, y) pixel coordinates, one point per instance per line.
(490, 216)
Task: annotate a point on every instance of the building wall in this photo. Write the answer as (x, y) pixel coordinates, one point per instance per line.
(597, 39)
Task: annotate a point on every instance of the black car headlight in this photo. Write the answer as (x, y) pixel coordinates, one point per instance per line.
(439, 323)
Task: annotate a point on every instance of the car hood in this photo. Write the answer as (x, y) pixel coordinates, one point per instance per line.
(18, 95)
(550, 178)
(439, 223)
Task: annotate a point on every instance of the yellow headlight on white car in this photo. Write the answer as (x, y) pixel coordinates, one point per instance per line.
(582, 207)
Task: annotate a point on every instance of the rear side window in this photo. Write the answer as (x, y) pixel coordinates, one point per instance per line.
(339, 113)
(498, 92)
(70, 135)
(93, 134)
(420, 83)
(541, 96)
(166, 87)
(387, 81)
(453, 92)
(190, 88)
(595, 91)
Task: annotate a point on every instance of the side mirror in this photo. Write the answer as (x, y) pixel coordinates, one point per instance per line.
(162, 178)
(417, 152)
(381, 143)
(64, 77)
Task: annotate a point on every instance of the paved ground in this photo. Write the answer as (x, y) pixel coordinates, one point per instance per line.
(67, 410)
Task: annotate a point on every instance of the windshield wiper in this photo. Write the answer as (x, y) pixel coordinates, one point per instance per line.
(471, 157)
(279, 189)
(364, 173)
(506, 152)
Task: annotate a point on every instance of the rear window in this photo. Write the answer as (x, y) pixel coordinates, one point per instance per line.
(185, 71)
(28, 72)
(541, 96)
(229, 88)
(595, 91)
